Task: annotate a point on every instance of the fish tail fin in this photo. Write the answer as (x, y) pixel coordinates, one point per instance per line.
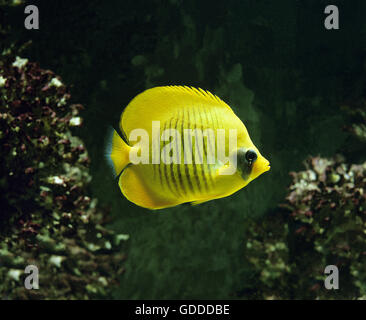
(117, 152)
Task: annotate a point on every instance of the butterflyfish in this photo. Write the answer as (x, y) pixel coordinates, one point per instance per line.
(179, 144)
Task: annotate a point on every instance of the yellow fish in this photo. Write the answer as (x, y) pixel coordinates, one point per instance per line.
(182, 144)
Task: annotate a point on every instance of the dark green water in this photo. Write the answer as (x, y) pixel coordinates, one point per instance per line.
(273, 62)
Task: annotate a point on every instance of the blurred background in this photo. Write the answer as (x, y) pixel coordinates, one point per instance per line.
(300, 91)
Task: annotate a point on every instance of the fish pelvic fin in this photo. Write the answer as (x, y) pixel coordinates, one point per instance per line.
(198, 202)
(117, 153)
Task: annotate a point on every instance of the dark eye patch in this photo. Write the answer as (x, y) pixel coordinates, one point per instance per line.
(245, 160)
(251, 156)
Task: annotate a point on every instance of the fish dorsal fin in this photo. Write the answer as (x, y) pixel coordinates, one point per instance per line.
(199, 94)
(163, 103)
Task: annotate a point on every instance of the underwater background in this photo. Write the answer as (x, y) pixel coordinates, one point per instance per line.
(299, 89)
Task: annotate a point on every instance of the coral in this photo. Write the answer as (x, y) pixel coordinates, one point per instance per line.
(323, 222)
(11, 2)
(357, 114)
(48, 218)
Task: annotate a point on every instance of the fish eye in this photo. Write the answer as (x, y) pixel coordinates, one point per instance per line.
(251, 156)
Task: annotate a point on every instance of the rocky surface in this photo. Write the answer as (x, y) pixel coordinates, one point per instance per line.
(48, 217)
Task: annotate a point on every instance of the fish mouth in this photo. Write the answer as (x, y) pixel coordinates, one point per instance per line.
(263, 164)
(260, 166)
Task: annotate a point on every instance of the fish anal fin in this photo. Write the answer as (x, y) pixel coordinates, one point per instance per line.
(135, 189)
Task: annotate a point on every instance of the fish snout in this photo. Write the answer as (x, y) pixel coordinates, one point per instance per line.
(260, 166)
